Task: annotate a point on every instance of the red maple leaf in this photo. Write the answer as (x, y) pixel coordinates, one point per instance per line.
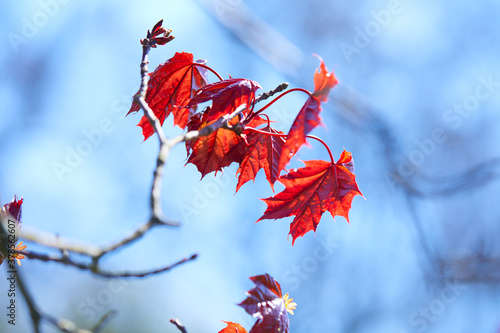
(215, 151)
(310, 191)
(14, 208)
(170, 89)
(226, 96)
(233, 328)
(265, 303)
(324, 81)
(196, 122)
(263, 152)
(220, 148)
(308, 117)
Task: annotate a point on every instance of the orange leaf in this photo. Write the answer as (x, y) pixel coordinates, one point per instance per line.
(324, 81)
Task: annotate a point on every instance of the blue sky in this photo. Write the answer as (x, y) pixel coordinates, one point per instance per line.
(420, 77)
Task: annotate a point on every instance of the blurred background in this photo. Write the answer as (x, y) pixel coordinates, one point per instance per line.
(417, 105)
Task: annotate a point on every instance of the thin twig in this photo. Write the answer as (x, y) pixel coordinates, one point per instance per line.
(58, 242)
(146, 273)
(178, 324)
(96, 270)
(65, 325)
(76, 246)
(103, 321)
(33, 308)
(268, 94)
(140, 99)
(34, 311)
(222, 122)
(134, 236)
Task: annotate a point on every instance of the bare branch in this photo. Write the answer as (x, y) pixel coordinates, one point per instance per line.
(96, 270)
(58, 242)
(33, 308)
(93, 252)
(140, 99)
(268, 94)
(65, 325)
(221, 123)
(178, 324)
(103, 321)
(146, 273)
(134, 236)
(76, 246)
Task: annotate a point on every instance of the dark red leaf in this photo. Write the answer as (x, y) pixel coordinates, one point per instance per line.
(170, 89)
(163, 40)
(265, 303)
(155, 32)
(310, 191)
(263, 152)
(308, 117)
(195, 124)
(14, 208)
(226, 96)
(215, 151)
(220, 148)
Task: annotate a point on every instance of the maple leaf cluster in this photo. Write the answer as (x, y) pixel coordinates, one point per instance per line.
(13, 212)
(179, 85)
(266, 303)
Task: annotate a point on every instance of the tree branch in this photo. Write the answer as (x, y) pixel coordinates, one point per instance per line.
(268, 94)
(134, 236)
(103, 321)
(66, 260)
(221, 123)
(67, 326)
(140, 99)
(178, 324)
(87, 249)
(35, 313)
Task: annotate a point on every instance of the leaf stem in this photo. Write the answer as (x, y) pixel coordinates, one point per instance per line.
(324, 144)
(281, 95)
(251, 129)
(268, 120)
(210, 69)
